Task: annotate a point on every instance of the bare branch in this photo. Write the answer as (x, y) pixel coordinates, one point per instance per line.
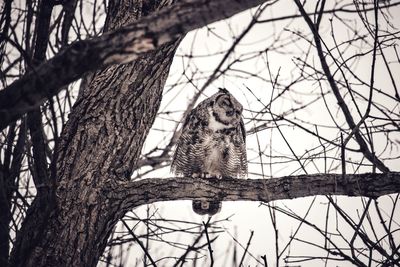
(134, 194)
(335, 89)
(247, 248)
(120, 46)
(140, 243)
(208, 242)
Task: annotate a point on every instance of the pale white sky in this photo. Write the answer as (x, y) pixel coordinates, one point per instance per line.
(250, 215)
(285, 46)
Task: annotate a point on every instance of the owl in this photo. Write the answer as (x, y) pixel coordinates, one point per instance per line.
(212, 144)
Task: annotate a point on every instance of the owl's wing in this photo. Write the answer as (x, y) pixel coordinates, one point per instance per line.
(188, 119)
(188, 152)
(243, 130)
(242, 151)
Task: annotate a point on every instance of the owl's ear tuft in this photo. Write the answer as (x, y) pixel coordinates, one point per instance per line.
(223, 90)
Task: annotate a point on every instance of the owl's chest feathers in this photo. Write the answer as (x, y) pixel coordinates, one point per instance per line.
(218, 147)
(214, 143)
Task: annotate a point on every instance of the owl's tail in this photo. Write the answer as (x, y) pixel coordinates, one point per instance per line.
(203, 207)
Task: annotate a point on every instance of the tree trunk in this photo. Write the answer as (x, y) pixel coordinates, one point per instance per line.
(120, 46)
(70, 223)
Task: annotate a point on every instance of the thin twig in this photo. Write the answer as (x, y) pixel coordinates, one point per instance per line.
(208, 242)
(264, 260)
(139, 242)
(247, 247)
(345, 109)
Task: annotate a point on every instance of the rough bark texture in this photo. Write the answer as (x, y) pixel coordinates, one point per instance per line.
(120, 46)
(101, 142)
(133, 194)
(71, 219)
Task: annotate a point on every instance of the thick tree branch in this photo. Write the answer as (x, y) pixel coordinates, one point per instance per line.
(134, 194)
(120, 46)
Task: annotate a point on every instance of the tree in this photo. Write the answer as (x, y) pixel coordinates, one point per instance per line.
(85, 155)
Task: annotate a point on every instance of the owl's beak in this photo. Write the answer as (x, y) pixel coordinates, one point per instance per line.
(230, 113)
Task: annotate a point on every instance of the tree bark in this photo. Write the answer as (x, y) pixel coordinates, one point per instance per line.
(101, 142)
(123, 45)
(70, 221)
(133, 194)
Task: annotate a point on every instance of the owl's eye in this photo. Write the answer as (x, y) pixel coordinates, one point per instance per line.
(226, 103)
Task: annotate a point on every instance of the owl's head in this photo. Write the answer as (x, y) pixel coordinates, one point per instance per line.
(226, 109)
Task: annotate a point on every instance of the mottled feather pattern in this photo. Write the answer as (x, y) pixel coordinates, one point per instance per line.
(212, 143)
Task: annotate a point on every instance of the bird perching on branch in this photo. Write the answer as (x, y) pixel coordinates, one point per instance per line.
(212, 144)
